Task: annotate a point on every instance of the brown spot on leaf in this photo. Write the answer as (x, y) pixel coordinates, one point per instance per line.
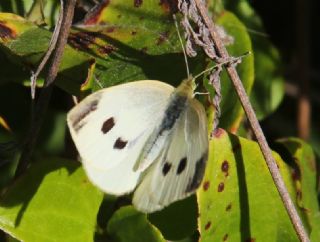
(206, 185)
(107, 125)
(296, 175)
(225, 167)
(93, 16)
(163, 36)
(228, 208)
(82, 40)
(107, 49)
(110, 29)
(250, 240)
(218, 133)
(208, 225)
(120, 143)
(311, 163)
(299, 194)
(141, 18)
(137, 3)
(305, 210)
(220, 187)
(6, 32)
(225, 237)
(133, 32)
(169, 5)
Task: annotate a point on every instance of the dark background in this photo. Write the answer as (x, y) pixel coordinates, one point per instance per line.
(292, 27)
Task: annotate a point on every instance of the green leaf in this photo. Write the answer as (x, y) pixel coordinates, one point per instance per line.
(238, 44)
(133, 42)
(31, 9)
(238, 200)
(305, 178)
(53, 201)
(25, 43)
(127, 224)
(177, 221)
(268, 88)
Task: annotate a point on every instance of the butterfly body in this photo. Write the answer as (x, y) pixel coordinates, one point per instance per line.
(143, 135)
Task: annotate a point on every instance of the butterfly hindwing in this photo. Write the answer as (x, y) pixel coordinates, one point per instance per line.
(110, 128)
(179, 169)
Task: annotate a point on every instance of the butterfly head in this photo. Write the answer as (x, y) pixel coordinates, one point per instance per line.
(187, 87)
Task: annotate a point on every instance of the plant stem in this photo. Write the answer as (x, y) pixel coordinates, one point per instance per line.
(266, 151)
(44, 98)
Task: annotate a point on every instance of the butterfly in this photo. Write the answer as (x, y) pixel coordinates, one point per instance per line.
(142, 136)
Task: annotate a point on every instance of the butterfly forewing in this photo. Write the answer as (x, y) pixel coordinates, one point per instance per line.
(111, 127)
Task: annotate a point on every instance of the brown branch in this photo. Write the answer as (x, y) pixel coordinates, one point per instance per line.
(302, 38)
(47, 55)
(44, 98)
(266, 151)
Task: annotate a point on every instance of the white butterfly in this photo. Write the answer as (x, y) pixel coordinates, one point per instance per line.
(142, 135)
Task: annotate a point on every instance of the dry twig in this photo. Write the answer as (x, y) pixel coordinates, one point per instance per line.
(47, 55)
(44, 98)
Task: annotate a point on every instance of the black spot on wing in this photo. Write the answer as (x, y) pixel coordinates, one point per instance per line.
(166, 168)
(107, 125)
(176, 107)
(182, 165)
(77, 120)
(120, 144)
(195, 181)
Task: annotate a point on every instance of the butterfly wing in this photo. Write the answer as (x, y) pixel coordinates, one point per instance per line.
(111, 126)
(179, 170)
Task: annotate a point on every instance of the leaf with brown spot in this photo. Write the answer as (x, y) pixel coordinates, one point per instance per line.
(305, 180)
(28, 45)
(134, 40)
(245, 204)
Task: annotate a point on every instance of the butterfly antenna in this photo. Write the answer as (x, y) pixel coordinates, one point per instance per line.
(227, 61)
(182, 45)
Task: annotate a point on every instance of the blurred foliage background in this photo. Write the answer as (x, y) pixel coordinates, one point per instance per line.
(282, 78)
